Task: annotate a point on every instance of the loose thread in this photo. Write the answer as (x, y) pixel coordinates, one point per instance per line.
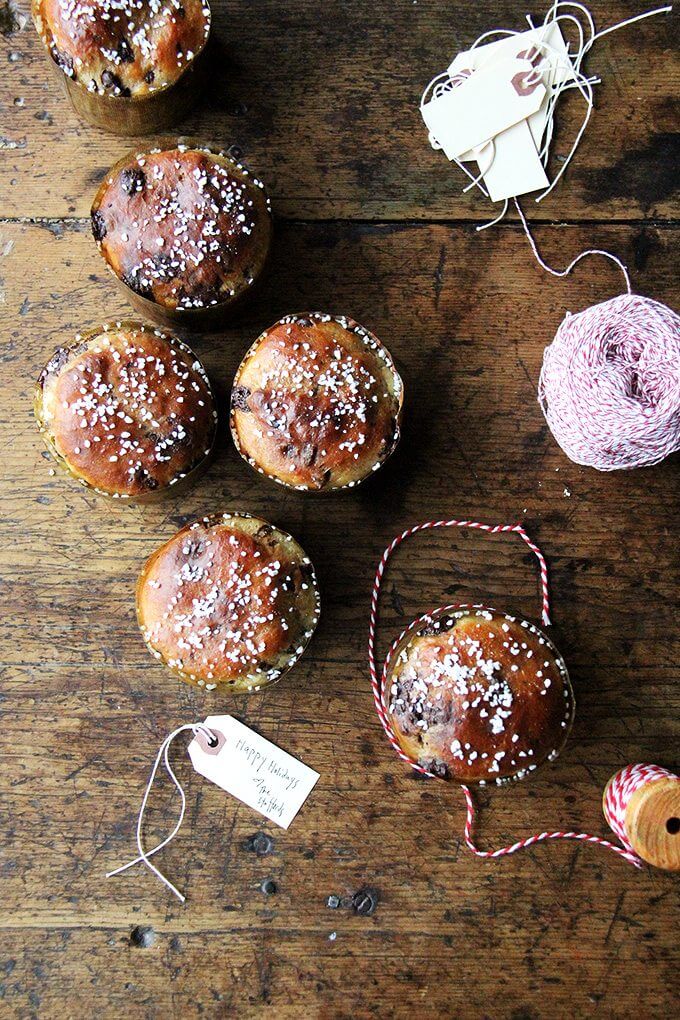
(630, 21)
(528, 841)
(565, 272)
(144, 855)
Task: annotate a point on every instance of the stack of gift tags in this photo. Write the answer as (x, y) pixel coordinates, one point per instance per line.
(494, 106)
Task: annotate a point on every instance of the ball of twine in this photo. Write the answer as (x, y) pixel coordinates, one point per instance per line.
(610, 384)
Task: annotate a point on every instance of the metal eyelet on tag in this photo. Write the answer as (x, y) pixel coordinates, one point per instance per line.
(203, 741)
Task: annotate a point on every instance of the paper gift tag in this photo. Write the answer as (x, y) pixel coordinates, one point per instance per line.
(554, 65)
(516, 168)
(554, 52)
(252, 769)
(483, 105)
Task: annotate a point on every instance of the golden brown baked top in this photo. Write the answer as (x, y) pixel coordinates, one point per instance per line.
(477, 696)
(128, 408)
(229, 599)
(123, 48)
(316, 402)
(186, 228)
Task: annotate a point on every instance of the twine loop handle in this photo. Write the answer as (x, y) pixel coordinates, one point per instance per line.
(378, 682)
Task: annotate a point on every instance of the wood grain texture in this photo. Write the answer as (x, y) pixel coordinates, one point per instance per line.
(85, 707)
(322, 100)
(323, 106)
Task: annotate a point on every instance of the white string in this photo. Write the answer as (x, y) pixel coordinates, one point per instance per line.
(629, 21)
(493, 31)
(482, 148)
(544, 152)
(472, 177)
(574, 262)
(144, 855)
(552, 15)
(587, 92)
(492, 223)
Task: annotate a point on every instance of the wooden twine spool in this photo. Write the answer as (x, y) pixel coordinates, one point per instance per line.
(642, 806)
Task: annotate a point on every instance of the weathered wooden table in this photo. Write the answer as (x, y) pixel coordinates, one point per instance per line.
(321, 100)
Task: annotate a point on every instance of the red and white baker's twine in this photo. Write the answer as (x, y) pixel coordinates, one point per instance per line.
(610, 384)
(622, 786)
(621, 789)
(377, 683)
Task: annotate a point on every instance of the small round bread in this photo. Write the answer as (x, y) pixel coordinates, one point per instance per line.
(129, 66)
(127, 410)
(477, 696)
(186, 230)
(316, 403)
(229, 601)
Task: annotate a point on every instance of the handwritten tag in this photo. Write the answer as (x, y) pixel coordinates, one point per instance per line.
(483, 105)
(252, 769)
